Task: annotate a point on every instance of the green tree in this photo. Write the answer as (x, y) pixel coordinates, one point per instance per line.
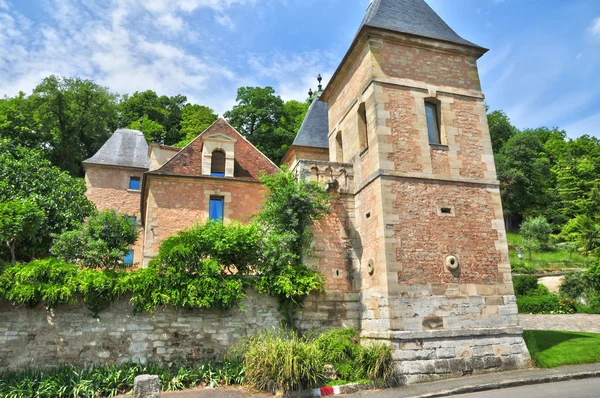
(195, 119)
(76, 115)
(536, 233)
(161, 110)
(258, 116)
(501, 130)
(20, 221)
(27, 174)
(524, 173)
(102, 242)
(17, 123)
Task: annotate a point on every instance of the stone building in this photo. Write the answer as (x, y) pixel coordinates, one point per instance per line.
(415, 252)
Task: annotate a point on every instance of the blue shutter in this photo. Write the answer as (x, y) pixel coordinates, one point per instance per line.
(128, 259)
(134, 183)
(216, 209)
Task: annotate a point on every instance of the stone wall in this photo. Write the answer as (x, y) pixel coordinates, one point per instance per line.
(69, 335)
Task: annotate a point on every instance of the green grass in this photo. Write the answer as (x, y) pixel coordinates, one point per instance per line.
(550, 349)
(543, 260)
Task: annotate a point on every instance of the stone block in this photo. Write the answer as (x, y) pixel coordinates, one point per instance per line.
(146, 386)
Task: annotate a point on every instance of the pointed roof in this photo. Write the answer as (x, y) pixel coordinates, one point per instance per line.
(249, 164)
(126, 148)
(414, 17)
(315, 127)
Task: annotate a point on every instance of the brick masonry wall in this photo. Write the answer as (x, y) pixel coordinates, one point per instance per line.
(69, 335)
(107, 188)
(178, 203)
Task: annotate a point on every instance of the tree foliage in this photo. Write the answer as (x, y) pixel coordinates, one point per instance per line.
(26, 175)
(266, 120)
(101, 242)
(20, 221)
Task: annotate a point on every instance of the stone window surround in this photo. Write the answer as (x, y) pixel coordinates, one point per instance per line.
(227, 208)
(218, 142)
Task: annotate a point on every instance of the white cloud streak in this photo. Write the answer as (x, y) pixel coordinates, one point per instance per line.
(594, 29)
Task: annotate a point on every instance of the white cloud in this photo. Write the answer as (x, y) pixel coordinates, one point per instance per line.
(589, 125)
(594, 29)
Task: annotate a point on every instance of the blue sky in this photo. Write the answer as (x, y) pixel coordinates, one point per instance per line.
(543, 67)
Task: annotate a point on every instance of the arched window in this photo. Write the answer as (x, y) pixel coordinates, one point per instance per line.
(217, 165)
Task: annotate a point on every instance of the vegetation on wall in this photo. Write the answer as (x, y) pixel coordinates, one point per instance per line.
(273, 361)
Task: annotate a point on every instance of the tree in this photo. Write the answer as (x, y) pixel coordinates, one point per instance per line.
(524, 174)
(161, 110)
(102, 242)
(501, 130)
(194, 120)
(257, 115)
(27, 174)
(77, 116)
(536, 233)
(20, 221)
(17, 123)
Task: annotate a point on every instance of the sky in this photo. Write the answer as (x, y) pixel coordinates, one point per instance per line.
(543, 67)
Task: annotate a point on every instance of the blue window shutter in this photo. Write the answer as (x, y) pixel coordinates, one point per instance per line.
(134, 183)
(128, 258)
(216, 209)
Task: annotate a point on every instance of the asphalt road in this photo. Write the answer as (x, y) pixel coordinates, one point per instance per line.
(588, 388)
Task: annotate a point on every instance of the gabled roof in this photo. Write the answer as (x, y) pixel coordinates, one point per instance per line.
(414, 17)
(126, 148)
(250, 163)
(315, 127)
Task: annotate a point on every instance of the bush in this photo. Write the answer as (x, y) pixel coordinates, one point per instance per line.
(102, 242)
(524, 283)
(282, 362)
(112, 380)
(549, 304)
(574, 285)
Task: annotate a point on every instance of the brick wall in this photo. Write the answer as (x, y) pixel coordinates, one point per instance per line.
(107, 188)
(177, 203)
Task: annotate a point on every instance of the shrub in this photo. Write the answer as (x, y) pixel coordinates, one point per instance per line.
(282, 362)
(102, 242)
(574, 285)
(549, 304)
(524, 283)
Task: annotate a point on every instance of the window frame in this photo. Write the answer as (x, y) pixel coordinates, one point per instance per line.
(215, 198)
(212, 163)
(363, 128)
(139, 183)
(429, 104)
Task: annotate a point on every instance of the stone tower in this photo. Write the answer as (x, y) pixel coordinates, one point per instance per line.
(406, 115)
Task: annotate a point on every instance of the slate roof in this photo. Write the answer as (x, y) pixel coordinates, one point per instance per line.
(414, 17)
(249, 164)
(127, 148)
(315, 127)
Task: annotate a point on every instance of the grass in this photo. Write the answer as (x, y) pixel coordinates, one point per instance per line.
(550, 349)
(543, 260)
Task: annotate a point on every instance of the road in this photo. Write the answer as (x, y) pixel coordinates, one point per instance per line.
(588, 388)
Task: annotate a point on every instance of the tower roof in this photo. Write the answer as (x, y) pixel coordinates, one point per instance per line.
(127, 148)
(414, 17)
(315, 127)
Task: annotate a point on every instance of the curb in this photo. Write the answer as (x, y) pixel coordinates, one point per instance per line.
(333, 390)
(509, 384)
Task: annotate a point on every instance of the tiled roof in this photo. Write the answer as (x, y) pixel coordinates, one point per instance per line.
(315, 127)
(250, 163)
(414, 17)
(127, 148)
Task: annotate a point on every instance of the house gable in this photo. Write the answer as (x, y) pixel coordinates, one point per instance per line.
(248, 162)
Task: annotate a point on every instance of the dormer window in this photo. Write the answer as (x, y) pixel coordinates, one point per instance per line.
(217, 165)
(218, 155)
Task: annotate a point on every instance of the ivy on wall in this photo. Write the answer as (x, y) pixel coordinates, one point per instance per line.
(206, 266)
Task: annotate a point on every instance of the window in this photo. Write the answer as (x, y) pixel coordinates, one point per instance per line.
(134, 183)
(217, 165)
(215, 211)
(339, 148)
(433, 123)
(363, 133)
(128, 259)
